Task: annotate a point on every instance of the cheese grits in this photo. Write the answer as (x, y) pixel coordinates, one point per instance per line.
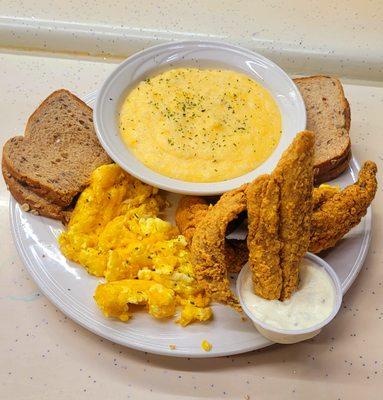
(200, 125)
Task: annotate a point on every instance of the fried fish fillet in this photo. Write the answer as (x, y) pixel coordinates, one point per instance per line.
(343, 210)
(236, 254)
(294, 173)
(326, 228)
(322, 194)
(208, 246)
(335, 212)
(279, 216)
(263, 203)
(190, 212)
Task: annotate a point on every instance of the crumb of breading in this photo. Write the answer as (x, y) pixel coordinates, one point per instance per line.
(25, 207)
(172, 346)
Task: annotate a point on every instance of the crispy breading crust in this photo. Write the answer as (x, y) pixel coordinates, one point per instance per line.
(294, 173)
(263, 202)
(322, 194)
(208, 246)
(342, 211)
(279, 228)
(190, 212)
(237, 255)
(290, 219)
(325, 231)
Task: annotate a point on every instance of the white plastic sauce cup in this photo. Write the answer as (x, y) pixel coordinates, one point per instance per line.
(288, 336)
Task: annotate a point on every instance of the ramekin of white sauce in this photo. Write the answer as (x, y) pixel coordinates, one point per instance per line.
(312, 306)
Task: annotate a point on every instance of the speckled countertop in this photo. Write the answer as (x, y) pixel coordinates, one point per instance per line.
(44, 355)
(342, 37)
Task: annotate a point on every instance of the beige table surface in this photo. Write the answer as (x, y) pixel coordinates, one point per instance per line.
(342, 36)
(44, 355)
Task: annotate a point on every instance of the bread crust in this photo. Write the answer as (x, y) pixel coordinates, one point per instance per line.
(329, 167)
(33, 185)
(30, 201)
(42, 105)
(338, 162)
(333, 173)
(52, 190)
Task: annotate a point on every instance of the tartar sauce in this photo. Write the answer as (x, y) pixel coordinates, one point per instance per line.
(312, 303)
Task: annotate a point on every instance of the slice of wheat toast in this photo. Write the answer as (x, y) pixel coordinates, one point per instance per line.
(333, 173)
(328, 116)
(59, 150)
(30, 201)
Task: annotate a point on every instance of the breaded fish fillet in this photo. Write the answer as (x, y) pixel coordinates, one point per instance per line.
(190, 212)
(322, 194)
(343, 210)
(236, 254)
(335, 213)
(294, 174)
(263, 203)
(208, 246)
(280, 209)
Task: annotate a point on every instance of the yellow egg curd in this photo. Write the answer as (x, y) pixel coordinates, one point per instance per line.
(115, 232)
(200, 125)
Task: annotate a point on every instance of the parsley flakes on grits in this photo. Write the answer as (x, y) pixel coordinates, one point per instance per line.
(200, 125)
(114, 232)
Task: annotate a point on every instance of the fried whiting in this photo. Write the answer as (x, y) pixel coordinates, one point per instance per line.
(335, 212)
(237, 255)
(279, 233)
(208, 246)
(321, 195)
(294, 174)
(343, 210)
(190, 212)
(263, 201)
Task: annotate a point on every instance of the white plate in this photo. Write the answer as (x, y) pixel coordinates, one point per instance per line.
(71, 289)
(156, 59)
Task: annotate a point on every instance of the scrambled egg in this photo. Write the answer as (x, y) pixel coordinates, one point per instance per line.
(200, 125)
(115, 232)
(206, 345)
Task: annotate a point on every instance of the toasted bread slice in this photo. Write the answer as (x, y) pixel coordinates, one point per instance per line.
(59, 150)
(30, 201)
(334, 172)
(328, 116)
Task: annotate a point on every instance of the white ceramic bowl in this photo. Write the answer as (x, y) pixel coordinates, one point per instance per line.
(198, 54)
(288, 336)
